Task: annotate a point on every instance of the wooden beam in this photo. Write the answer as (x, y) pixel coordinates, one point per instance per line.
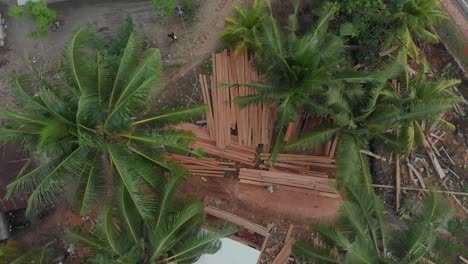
(236, 220)
(398, 183)
(285, 252)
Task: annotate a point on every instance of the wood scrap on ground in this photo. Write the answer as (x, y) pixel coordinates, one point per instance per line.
(286, 251)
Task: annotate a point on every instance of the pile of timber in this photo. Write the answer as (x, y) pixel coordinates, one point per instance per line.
(233, 152)
(301, 164)
(254, 124)
(318, 183)
(209, 167)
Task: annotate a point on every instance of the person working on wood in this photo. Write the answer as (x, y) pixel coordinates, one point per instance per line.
(172, 35)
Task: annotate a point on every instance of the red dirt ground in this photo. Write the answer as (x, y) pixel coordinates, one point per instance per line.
(255, 203)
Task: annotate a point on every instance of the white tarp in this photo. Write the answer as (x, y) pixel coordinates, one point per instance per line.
(231, 252)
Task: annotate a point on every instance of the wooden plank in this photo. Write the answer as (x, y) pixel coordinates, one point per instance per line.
(398, 183)
(236, 220)
(285, 253)
(331, 154)
(434, 160)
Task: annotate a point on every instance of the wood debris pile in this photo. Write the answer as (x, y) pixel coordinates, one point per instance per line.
(415, 172)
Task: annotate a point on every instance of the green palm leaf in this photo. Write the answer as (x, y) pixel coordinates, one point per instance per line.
(175, 117)
(77, 71)
(132, 181)
(91, 186)
(314, 139)
(314, 254)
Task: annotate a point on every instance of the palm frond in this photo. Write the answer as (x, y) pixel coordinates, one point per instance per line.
(132, 181)
(25, 95)
(22, 119)
(166, 199)
(88, 241)
(134, 93)
(166, 235)
(203, 242)
(47, 181)
(175, 117)
(128, 214)
(437, 87)
(127, 67)
(428, 109)
(408, 136)
(413, 242)
(361, 251)
(313, 139)
(172, 141)
(77, 69)
(314, 254)
(91, 186)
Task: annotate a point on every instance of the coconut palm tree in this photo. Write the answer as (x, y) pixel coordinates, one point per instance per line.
(422, 100)
(361, 235)
(378, 114)
(306, 73)
(173, 234)
(243, 30)
(87, 128)
(415, 19)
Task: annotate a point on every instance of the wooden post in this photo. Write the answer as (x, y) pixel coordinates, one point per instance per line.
(398, 191)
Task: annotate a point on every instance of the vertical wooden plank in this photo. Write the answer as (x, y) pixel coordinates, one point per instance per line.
(398, 183)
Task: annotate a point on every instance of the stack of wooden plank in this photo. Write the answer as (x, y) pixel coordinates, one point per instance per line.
(254, 124)
(309, 183)
(209, 167)
(233, 152)
(301, 164)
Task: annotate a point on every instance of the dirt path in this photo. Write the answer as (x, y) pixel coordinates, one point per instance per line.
(197, 39)
(456, 14)
(258, 205)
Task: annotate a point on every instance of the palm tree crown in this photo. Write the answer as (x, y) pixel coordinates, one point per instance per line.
(244, 28)
(172, 234)
(381, 114)
(361, 234)
(416, 19)
(87, 125)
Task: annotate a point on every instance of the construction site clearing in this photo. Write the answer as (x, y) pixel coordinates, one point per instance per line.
(239, 178)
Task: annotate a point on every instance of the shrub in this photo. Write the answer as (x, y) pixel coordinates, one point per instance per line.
(165, 6)
(37, 12)
(16, 11)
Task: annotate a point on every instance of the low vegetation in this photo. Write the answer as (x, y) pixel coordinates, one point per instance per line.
(39, 13)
